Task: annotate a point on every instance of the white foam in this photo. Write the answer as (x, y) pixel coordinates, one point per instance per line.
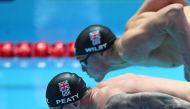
(7, 64)
(41, 64)
(59, 64)
(24, 64)
(75, 64)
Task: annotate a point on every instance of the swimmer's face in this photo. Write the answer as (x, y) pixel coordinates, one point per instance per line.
(93, 65)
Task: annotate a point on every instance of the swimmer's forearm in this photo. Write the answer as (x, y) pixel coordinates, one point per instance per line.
(155, 5)
(176, 88)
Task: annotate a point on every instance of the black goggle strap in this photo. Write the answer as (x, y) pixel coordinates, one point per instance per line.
(61, 107)
(84, 61)
(75, 104)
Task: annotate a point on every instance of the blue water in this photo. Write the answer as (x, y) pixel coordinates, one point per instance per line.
(23, 81)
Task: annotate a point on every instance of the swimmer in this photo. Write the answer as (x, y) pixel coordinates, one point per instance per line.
(69, 91)
(157, 35)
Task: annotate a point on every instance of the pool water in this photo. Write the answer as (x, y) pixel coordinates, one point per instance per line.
(24, 81)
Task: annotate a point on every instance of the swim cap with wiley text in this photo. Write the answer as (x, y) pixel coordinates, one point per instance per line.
(65, 88)
(94, 38)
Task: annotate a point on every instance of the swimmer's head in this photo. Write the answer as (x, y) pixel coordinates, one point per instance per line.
(90, 45)
(65, 89)
(94, 38)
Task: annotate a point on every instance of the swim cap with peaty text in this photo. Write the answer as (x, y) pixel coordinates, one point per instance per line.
(65, 88)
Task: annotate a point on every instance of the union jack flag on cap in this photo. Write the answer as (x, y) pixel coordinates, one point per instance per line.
(95, 37)
(64, 88)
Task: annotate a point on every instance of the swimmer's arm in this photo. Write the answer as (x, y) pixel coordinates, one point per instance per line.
(147, 100)
(176, 88)
(118, 101)
(155, 5)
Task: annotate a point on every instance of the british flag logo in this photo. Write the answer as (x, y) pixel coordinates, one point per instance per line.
(95, 37)
(64, 88)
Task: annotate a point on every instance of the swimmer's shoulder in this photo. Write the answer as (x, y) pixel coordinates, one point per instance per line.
(102, 95)
(138, 18)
